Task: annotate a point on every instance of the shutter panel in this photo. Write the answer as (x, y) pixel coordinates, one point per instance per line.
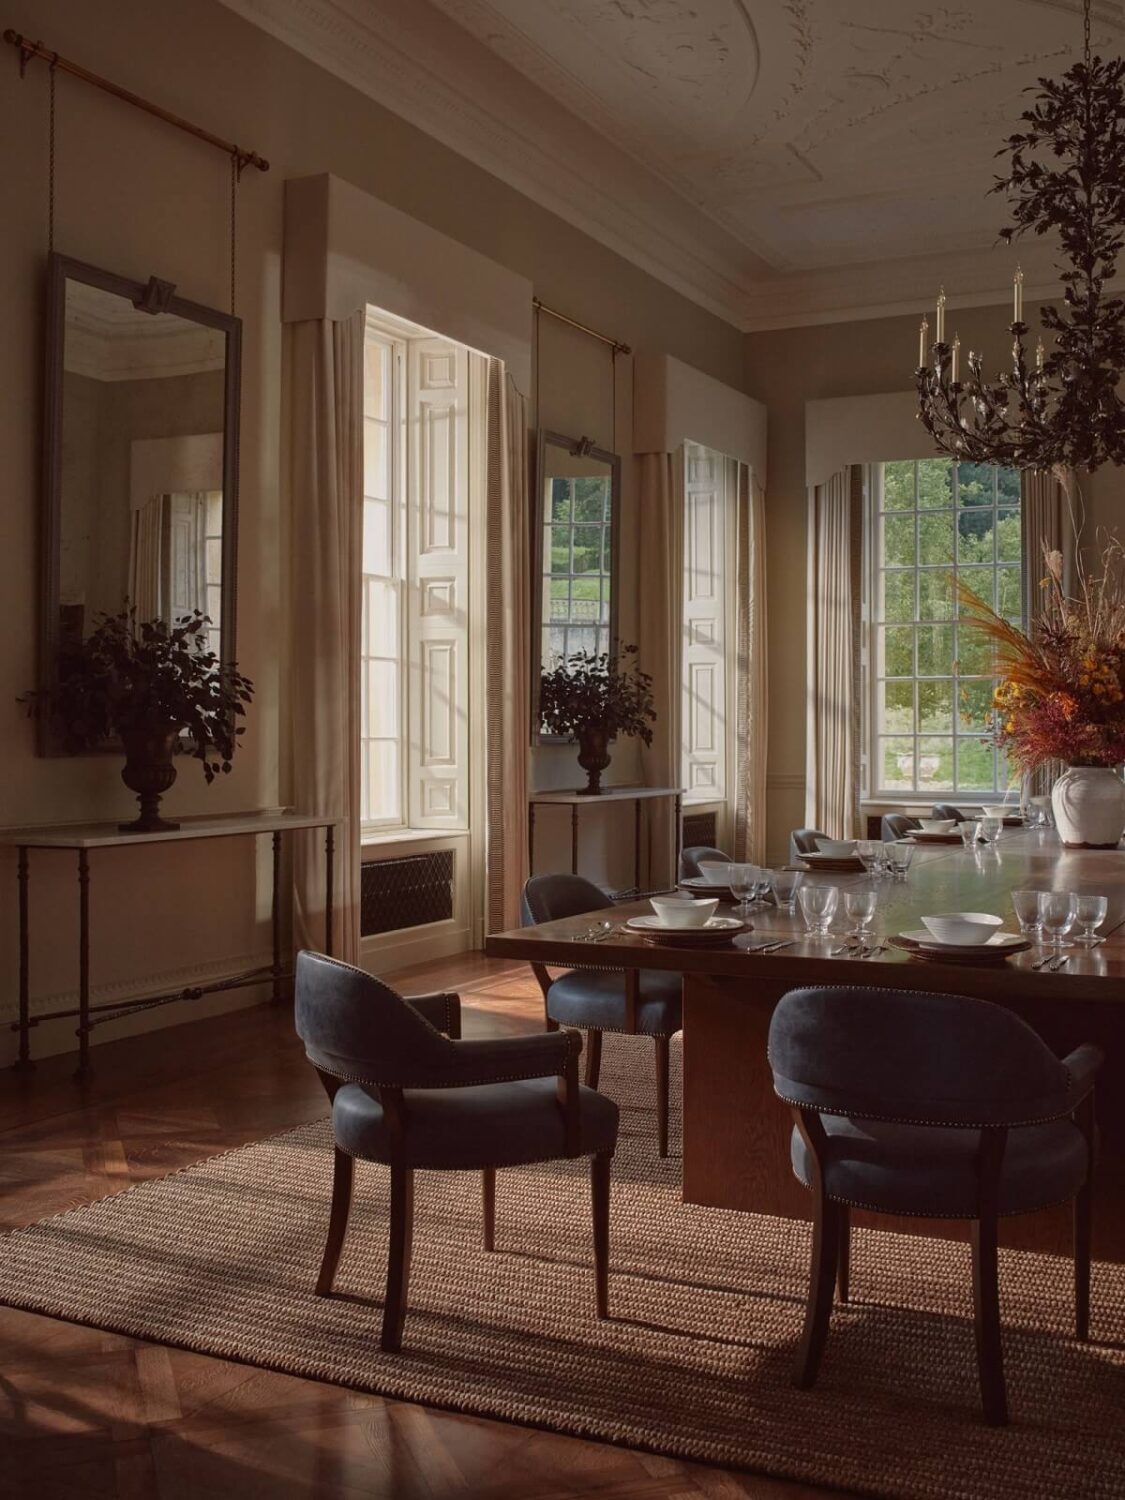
(706, 525)
(438, 567)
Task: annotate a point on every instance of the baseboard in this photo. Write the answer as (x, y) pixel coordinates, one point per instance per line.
(382, 957)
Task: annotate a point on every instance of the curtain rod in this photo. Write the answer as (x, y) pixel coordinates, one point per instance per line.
(616, 344)
(29, 50)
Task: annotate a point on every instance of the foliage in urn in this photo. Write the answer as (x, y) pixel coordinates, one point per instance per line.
(606, 692)
(130, 676)
(1060, 688)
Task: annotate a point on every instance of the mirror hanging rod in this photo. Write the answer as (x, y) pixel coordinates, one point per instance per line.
(29, 50)
(615, 344)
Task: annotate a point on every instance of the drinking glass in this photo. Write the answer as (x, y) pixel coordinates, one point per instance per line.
(899, 855)
(970, 832)
(1091, 911)
(818, 906)
(1028, 906)
(742, 880)
(989, 830)
(785, 885)
(1056, 912)
(871, 855)
(859, 904)
(762, 879)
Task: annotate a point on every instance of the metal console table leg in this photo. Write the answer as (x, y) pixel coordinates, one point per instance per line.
(275, 916)
(83, 963)
(24, 1061)
(329, 883)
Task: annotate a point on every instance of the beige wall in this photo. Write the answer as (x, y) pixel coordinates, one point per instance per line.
(137, 197)
(785, 369)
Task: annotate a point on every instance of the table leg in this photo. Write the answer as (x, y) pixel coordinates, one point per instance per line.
(531, 838)
(678, 839)
(329, 879)
(637, 844)
(574, 839)
(24, 1060)
(83, 962)
(275, 916)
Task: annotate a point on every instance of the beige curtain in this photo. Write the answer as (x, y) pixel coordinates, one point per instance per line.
(508, 640)
(660, 545)
(146, 563)
(830, 750)
(1043, 525)
(324, 376)
(750, 709)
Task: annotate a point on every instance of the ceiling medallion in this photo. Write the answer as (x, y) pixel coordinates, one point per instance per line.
(1061, 410)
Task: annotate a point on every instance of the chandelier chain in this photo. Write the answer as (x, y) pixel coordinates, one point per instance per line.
(234, 175)
(51, 158)
(1086, 31)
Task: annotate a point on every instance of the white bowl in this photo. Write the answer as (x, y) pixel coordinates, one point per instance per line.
(937, 825)
(837, 848)
(962, 927)
(715, 871)
(675, 911)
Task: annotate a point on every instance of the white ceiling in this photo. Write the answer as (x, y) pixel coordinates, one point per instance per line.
(779, 161)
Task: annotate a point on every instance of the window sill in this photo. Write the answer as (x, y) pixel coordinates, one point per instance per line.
(373, 840)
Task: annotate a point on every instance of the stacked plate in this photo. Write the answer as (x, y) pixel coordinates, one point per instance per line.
(717, 931)
(1000, 947)
(920, 836)
(841, 864)
(699, 886)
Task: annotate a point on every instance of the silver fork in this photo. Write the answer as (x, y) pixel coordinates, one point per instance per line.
(1059, 962)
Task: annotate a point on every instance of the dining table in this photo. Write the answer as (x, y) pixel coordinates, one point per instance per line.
(736, 1133)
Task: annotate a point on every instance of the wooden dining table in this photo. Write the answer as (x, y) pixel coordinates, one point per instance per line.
(736, 1132)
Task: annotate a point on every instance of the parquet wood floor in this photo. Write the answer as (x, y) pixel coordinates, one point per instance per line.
(90, 1414)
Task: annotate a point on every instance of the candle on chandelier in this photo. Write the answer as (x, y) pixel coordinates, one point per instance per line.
(1040, 356)
(1017, 296)
(956, 358)
(922, 332)
(939, 328)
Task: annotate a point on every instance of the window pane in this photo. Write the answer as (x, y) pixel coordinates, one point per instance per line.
(980, 580)
(898, 486)
(935, 483)
(582, 638)
(898, 541)
(935, 538)
(381, 618)
(1009, 592)
(898, 597)
(587, 549)
(376, 474)
(1008, 488)
(590, 495)
(896, 756)
(935, 595)
(376, 361)
(974, 765)
(935, 650)
(975, 704)
(382, 716)
(560, 499)
(935, 706)
(385, 798)
(898, 707)
(1008, 548)
(378, 555)
(935, 764)
(558, 548)
(895, 651)
(974, 652)
(975, 540)
(975, 483)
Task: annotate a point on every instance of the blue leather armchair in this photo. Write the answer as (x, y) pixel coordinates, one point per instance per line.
(897, 826)
(942, 1106)
(946, 810)
(694, 854)
(803, 841)
(648, 1002)
(408, 1093)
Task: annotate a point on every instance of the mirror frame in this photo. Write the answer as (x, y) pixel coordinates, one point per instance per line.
(154, 296)
(587, 448)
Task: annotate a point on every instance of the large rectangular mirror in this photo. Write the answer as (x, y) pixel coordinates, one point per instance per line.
(576, 521)
(140, 463)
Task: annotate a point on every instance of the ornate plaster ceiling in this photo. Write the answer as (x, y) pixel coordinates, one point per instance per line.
(780, 161)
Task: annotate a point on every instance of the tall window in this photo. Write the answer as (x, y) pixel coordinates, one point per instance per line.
(414, 645)
(932, 521)
(710, 496)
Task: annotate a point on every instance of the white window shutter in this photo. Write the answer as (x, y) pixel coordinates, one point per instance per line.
(706, 529)
(438, 563)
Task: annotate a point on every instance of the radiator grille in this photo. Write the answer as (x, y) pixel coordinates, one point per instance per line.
(406, 892)
(700, 828)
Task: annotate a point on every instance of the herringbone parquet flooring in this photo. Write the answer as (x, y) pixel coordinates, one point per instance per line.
(90, 1414)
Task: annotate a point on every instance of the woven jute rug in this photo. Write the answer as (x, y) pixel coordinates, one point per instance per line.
(705, 1310)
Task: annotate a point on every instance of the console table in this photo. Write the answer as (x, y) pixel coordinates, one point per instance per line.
(575, 800)
(85, 837)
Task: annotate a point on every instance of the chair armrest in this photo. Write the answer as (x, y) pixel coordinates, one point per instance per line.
(540, 1054)
(442, 1011)
(1082, 1065)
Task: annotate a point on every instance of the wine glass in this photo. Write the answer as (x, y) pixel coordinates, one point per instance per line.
(818, 907)
(1028, 907)
(1056, 912)
(743, 881)
(785, 885)
(1091, 911)
(860, 904)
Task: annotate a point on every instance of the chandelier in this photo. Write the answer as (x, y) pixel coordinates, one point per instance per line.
(1058, 409)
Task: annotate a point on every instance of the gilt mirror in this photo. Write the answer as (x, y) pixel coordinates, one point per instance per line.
(140, 461)
(576, 519)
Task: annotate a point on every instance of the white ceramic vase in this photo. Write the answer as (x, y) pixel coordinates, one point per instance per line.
(1089, 807)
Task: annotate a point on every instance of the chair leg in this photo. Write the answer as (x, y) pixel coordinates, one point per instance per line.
(822, 1283)
(398, 1256)
(663, 1051)
(488, 1199)
(337, 1222)
(986, 1307)
(1083, 1235)
(593, 1058)
(844, 1254)
(600, 1169)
